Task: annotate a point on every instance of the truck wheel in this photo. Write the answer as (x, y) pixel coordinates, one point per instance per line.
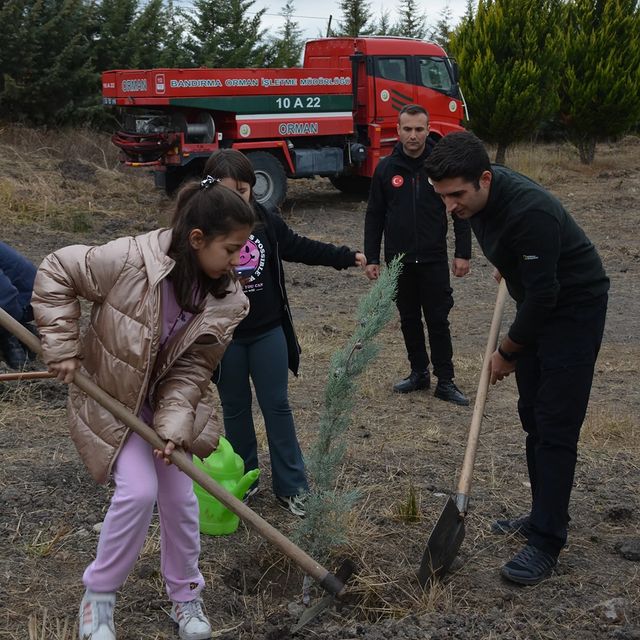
(353, 185)
(271, 180)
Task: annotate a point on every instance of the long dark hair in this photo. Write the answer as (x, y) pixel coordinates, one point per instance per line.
(230, 163)
(216, 211)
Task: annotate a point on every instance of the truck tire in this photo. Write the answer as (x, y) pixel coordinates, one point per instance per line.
(271, 180)
(352, 185)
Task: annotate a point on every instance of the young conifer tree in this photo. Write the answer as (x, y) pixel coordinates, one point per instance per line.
(328, 505)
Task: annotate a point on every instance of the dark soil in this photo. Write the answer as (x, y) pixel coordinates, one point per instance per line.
(49, 507)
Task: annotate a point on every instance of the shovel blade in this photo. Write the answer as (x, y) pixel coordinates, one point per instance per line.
(313, 612)
(344, 572)
(443, 544)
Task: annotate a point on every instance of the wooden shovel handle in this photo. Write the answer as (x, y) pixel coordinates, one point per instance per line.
(26, 375)
(183, 461)
(464, 483)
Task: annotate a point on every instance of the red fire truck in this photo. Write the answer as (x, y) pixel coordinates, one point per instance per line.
(335, 116)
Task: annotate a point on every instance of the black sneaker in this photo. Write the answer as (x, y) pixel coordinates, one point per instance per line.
(12, 351)
(529, 566)
(417, 380)
(294, 504)
(446, 390)
(520, 526)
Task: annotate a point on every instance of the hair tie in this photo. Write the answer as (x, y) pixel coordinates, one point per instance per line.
(208, 182)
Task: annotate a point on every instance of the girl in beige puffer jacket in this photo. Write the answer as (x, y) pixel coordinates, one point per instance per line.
(165, 305)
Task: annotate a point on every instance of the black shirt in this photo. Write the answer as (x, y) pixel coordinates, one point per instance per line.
(545, 257)
(263, 291)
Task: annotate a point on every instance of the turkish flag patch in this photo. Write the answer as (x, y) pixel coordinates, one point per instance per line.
(397, 181)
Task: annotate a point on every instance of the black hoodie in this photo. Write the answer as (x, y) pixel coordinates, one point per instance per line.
(404, 206)
(546, 258)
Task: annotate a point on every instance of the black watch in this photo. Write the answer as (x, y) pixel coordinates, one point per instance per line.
(508, 356)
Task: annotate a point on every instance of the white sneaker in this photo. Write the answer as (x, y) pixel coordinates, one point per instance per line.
(295, 504)
(250, 493)
(95, 619)
(191, 620)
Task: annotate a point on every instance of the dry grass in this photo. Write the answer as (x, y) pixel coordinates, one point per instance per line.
(66, 180)
(545, 163)
(42, 627)
(607, 428)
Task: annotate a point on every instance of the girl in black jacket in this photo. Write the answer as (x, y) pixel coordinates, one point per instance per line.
(264, 345)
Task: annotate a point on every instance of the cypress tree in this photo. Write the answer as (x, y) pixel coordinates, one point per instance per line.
(328, 505)
(48, 72)
(600, 80)
(384, 26)
(509, 60)
(223, 35)
(175, 52)
(115, 39)
(286, 48)
(14, 43)
(441, 32)
(356, 18)
(151, 31)
(412, 23)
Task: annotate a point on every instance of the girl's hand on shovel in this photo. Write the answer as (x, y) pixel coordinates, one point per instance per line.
(65, 369)
(169, 448)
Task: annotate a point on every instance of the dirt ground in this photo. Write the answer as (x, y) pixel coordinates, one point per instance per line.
(49, 506)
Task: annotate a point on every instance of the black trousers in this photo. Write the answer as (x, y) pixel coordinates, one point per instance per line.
(554, 382)
(426, 289)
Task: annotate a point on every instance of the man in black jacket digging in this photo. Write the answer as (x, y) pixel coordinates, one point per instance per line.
(403, 206)
(556, 277)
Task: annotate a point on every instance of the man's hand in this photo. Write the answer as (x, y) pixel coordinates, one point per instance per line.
(499, 367)
(65, 369)
(361, 260)
(166, 453)
(460, 267)
(372, 271)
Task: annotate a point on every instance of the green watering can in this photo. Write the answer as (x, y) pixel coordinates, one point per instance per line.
(226, 467)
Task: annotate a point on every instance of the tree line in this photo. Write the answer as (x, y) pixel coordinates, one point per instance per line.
(527, 67)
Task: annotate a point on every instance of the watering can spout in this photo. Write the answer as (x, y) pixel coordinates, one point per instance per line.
(245, 482)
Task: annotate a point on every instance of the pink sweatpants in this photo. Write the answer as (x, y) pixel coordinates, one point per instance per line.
(141, 480)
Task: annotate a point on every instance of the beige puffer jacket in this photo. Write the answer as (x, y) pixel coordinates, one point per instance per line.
(119, 350)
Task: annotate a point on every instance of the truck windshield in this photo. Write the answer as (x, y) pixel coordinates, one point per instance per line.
(434, 73)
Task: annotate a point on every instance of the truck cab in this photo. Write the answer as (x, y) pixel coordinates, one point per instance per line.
(389, 73)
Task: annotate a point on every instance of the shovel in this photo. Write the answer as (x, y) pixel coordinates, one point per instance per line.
(328, 581)
(448, 532)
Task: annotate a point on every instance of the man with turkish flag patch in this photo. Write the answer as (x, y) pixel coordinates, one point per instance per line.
(404, 208)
